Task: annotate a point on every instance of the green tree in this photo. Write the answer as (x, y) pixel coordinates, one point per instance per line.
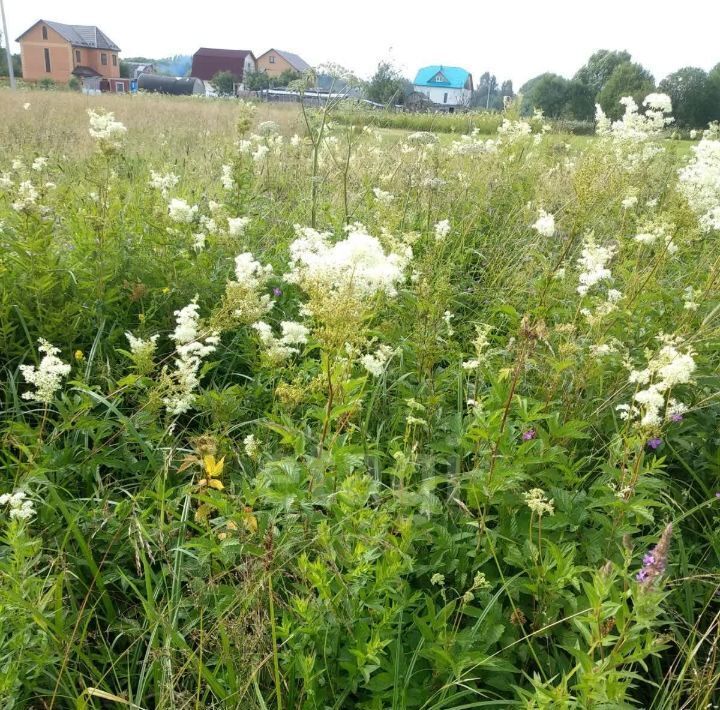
(224, 83)
(627, 79)
(693, 99)
(599, 68)
(714, 91)
(387, 85)
(257, 81)
(580, 102)
(16, 63)
(548, 92)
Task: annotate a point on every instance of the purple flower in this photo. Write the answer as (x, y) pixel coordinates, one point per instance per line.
(655, 561)
(529, 434)
(277, 291)
(677, 417)
(717, 495)
(654, 443)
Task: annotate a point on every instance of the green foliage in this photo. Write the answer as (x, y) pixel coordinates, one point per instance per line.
(627, 79)
(461, 527)
(224, 83)
(695, 99)
(387, 85)
(596, 72)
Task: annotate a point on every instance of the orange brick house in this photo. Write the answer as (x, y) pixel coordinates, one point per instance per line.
(275, 61)
(53, 50)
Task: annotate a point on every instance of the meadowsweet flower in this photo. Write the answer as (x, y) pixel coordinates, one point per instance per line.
(199, 241)
(163, 181)
(442, 229)
(260, 153)
(26, 197)
(538, 502)
(106, 130)
(700, 183)
(251, 446)
(226, 178)
(181, 212)
(375, 362)
(629, 202)
(357, 263)
(39, 164)
(47, 378)
(278, 349)
(593, 262)
(384, 198)
(26, 106)
(237, 225)
(190, 349)
(438, 579)
(690, 304)
(20, 506)
(545, 224)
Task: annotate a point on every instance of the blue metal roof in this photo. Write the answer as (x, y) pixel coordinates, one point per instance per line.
(456, 76)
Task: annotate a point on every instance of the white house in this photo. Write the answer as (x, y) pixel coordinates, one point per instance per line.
(446, 86)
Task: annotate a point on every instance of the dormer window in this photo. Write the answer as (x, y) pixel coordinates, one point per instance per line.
(44, 32)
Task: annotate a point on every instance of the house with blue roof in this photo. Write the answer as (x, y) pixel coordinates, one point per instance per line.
(447, 87)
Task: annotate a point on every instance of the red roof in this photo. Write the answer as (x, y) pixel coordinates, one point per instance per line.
(208, 61)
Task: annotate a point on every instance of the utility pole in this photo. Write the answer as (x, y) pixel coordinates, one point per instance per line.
(7, 46)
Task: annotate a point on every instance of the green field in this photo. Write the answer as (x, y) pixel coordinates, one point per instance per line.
(298, 413)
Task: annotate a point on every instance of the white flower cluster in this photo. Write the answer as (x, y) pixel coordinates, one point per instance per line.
(163, 181)
(260, 146)
(634, 126)
(539, 504)
(21, 508)
(226, 178)
(27, 196)
(654, 232)
(593, 261)
(700, 183)
(422, 138)
(180, 211)
(512, 131)
(38, 165)
(673, 364)
(47, 378)
(278, 349)
(356, 264)
(375, 362)
(191, 349)
(473, 144)
(237, 225)
(481, 343)
(442, 229)
(105, 129)
(383, 197)
(545, 225)
(142, 348)
(251, 446)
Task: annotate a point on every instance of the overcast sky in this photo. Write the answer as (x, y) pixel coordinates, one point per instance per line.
(513, 39)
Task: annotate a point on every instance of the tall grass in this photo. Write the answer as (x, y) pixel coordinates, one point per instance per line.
(430, 499)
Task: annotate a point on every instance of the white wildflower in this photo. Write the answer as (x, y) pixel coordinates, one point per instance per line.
(47, 378)
(181, 212)
(163, 181)
(39, 164)
(375, 362)
(251, 446)
(593, 260)
(545, 224)
(226, 178)
(237, 225)
(538, 502)
(383, 197)
(442, 229)
(105, 129)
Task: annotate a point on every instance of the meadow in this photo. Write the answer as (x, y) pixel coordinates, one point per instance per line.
(299, 412)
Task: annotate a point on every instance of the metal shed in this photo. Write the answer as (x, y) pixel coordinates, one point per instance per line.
(175, 85)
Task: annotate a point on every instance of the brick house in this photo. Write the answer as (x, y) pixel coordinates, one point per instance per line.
(275, 61)
(53, 50)
(207, 62)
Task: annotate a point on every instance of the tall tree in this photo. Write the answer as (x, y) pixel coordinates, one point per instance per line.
(387, 85)
(627, 79)
(692, 95)
(599, 68)
(714, 91)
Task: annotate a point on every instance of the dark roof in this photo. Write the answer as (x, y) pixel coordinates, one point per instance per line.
(79, 35)
(208, 61)
(177, 85)
(295, 61)
(83, 71)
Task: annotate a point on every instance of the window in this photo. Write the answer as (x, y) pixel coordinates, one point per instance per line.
(114, 60)
(47, 60)
(445, 98)
(103, 59)
(272, 59)
(120, 87)
(44, 32)
(77, 56)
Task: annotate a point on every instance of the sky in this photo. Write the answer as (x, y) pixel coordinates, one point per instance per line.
(513, 40)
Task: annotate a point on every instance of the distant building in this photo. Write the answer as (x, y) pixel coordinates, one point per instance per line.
(207, 62)
(446, 87)
(275, 61)
(174, 85)
(53, 50)
(134, 69)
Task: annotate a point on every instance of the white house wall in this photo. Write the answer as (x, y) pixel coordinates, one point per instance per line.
(436, 94)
